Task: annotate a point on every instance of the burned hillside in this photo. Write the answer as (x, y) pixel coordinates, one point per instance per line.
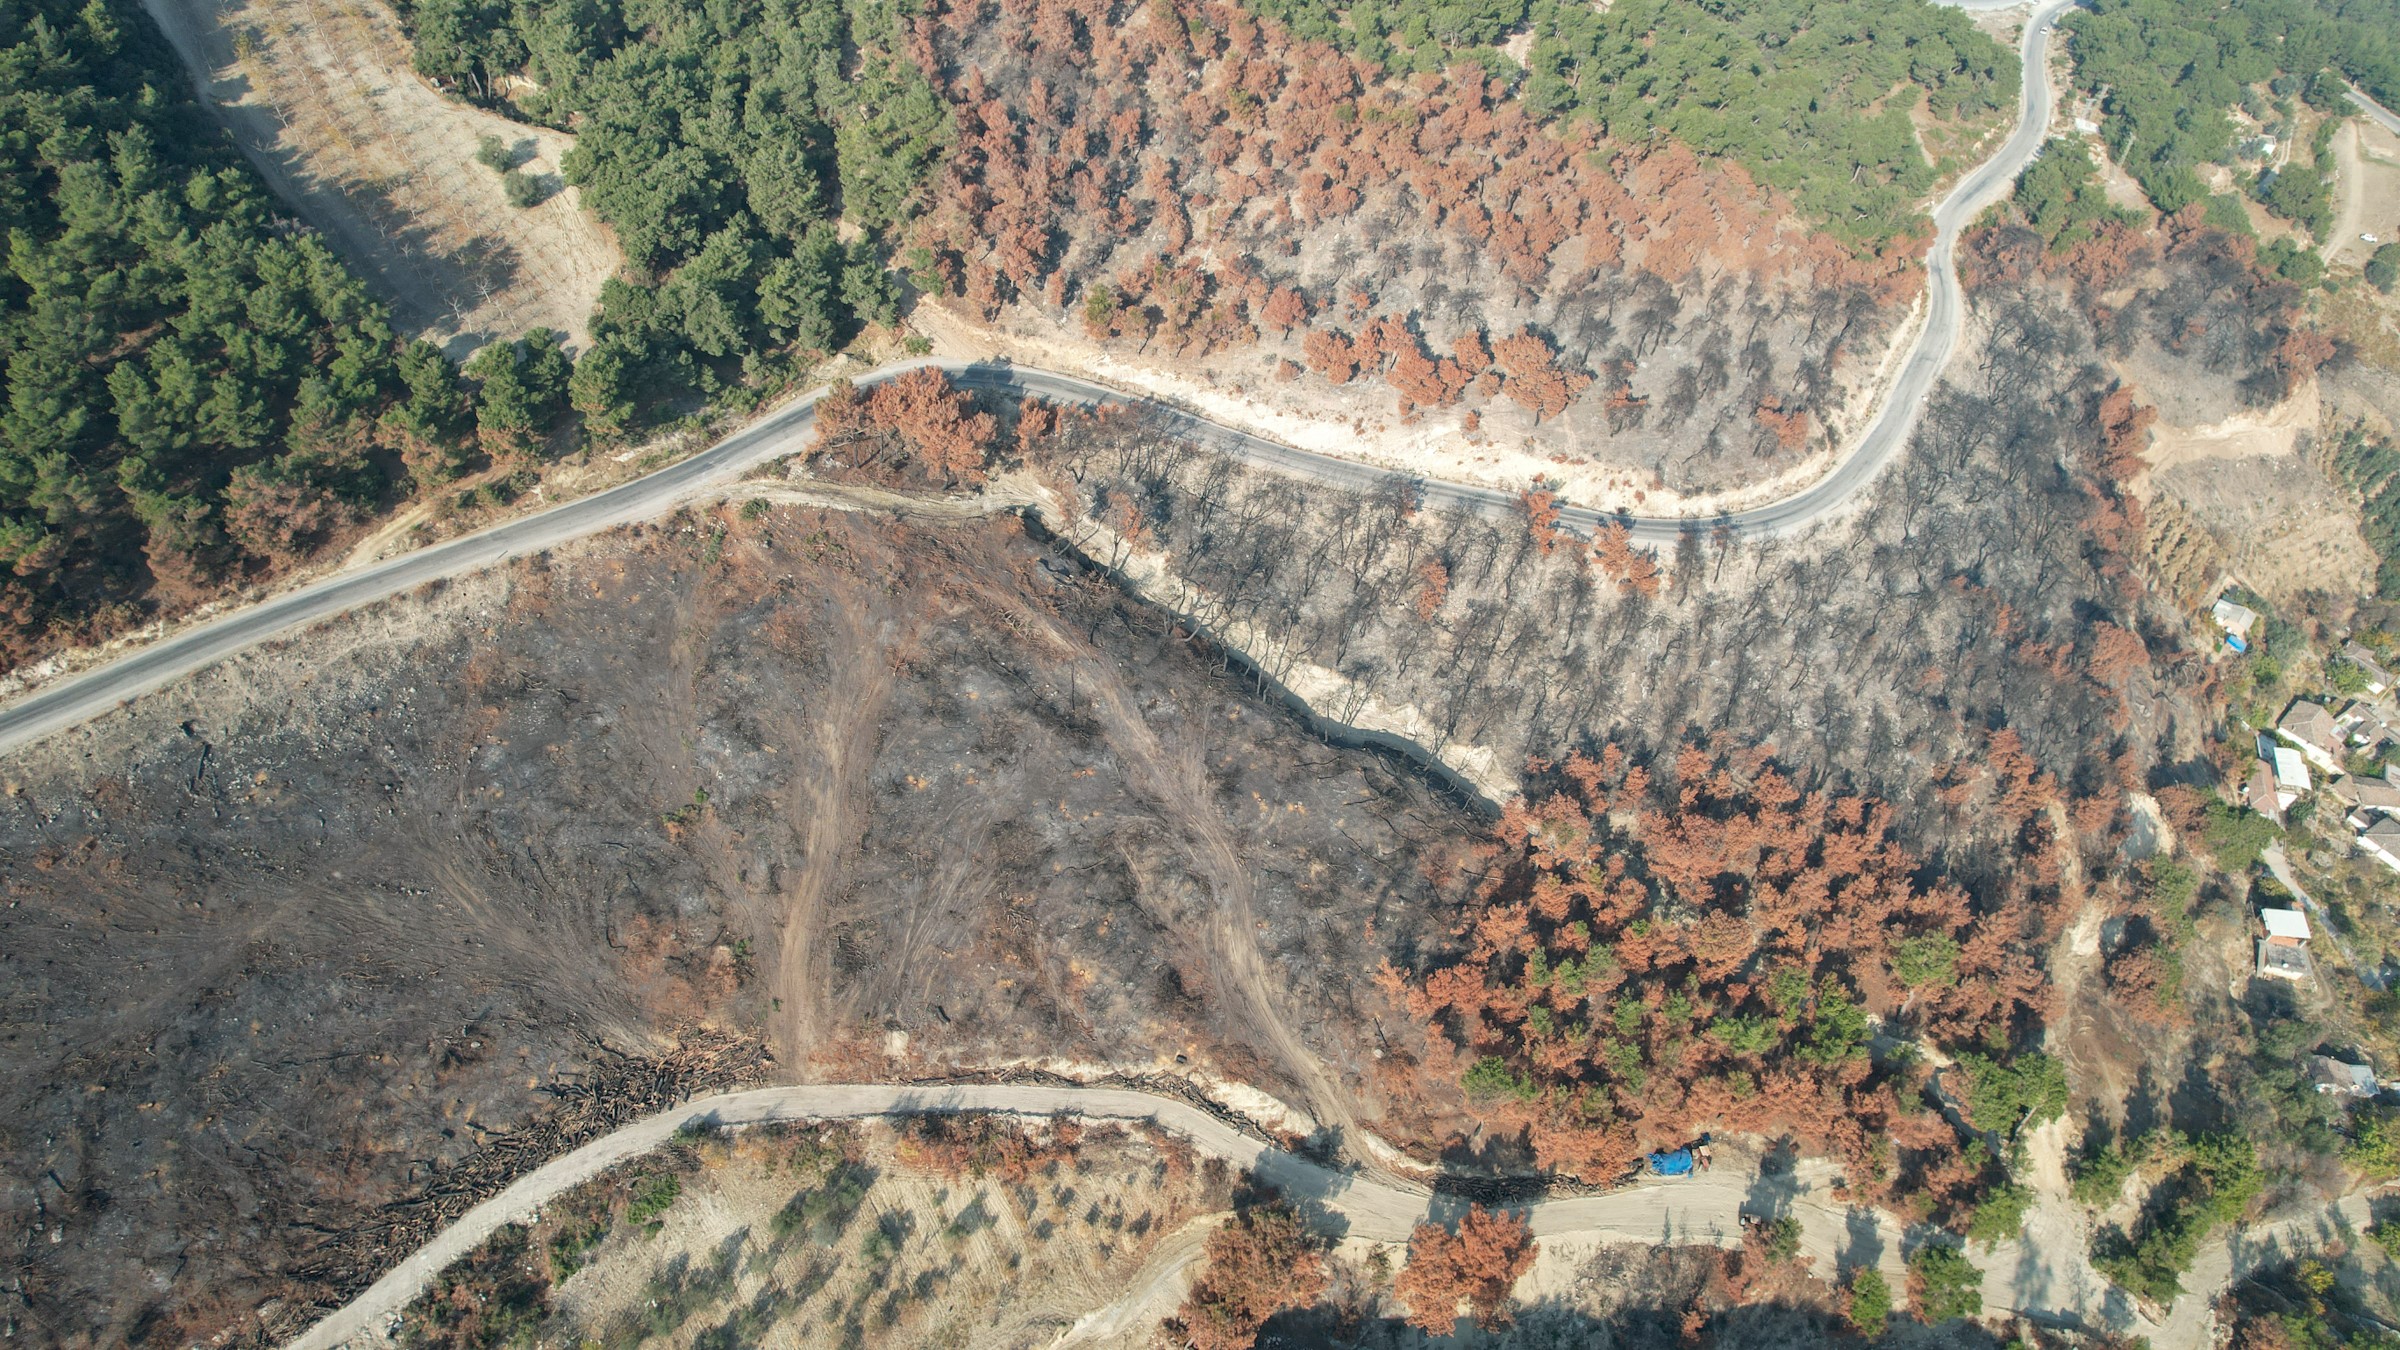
(1187, 183)
(299, 947)
(1988, 585)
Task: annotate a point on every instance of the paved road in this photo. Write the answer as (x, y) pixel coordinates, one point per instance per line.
(1704, 1209)
(91, 693)
(2390, 119)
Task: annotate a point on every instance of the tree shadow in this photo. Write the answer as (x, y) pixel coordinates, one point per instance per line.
(1651, 1319)
(1777, 1184)
(1313, 1207)
(1862, 1241)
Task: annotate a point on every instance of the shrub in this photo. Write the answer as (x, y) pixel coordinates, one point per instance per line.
(1930, 959)
(2383, 270)
(2001, 1216)
(493, 153)
(2220, 1178)
(2100, 1176)
(2031, 1089)
(2224, 211)
(823, 1211)
(572, 1242)
(2235, 835)
(1780, 1238)
(1870, 1302)
(521, 188)
(1839, 1029)
(2386, 1234)
(653, 1196)
(1746, 1035)
(495, 1297)
(1949, 1284)
(1491, 1077)
(2374, 1143)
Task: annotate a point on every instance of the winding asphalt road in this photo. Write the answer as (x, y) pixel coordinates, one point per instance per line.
(86, 695)
(2389, 119)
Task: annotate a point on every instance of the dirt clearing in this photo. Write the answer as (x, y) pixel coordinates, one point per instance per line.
(2285, 527)
(2366, 184)
(2247, 434)
(2246, 495)
(860, 1235)
(320, 97)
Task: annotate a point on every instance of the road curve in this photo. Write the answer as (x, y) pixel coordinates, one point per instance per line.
(2020, 1278)
(2380, 113)
(77, 698)
(1703, 1209)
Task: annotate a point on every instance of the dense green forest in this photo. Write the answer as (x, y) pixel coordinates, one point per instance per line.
(1812, 96)
(2061, 197)
(197, 388)
(2171, 69)
(722, 141)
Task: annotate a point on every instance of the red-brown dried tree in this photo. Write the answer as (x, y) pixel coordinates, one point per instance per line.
(1623, 986)
(1635, 569)
(918, 420)
(1541, 509)
(1433, 587)
(1285, 310)
(1258, 1263)
(1477, 1266)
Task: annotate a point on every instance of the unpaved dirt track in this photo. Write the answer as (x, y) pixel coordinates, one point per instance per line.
(1704, 1209)
(1154, 1290)
(2034, 1279)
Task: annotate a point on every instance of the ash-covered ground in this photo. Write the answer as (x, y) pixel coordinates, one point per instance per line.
(306, 953)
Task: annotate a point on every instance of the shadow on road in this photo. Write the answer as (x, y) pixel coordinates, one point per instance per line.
(1862, 1242)
(1777, 1184)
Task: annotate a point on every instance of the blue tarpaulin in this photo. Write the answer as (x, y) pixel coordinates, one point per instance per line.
(1675, 1164)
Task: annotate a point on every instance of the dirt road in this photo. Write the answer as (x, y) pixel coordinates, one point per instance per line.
(1155, 1289)
(2366, 156)
(1703, 1209)
(2047, 1277)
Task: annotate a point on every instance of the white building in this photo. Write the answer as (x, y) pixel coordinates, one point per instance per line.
(2291, 777)
(2381, 841)
(2236, 620)
(2283, 952)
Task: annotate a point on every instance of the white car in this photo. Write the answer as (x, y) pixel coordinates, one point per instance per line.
(2369, 239)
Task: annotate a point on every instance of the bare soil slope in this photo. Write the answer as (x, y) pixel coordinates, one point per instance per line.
(300, 951)
(321, 98)
(864, 1236)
